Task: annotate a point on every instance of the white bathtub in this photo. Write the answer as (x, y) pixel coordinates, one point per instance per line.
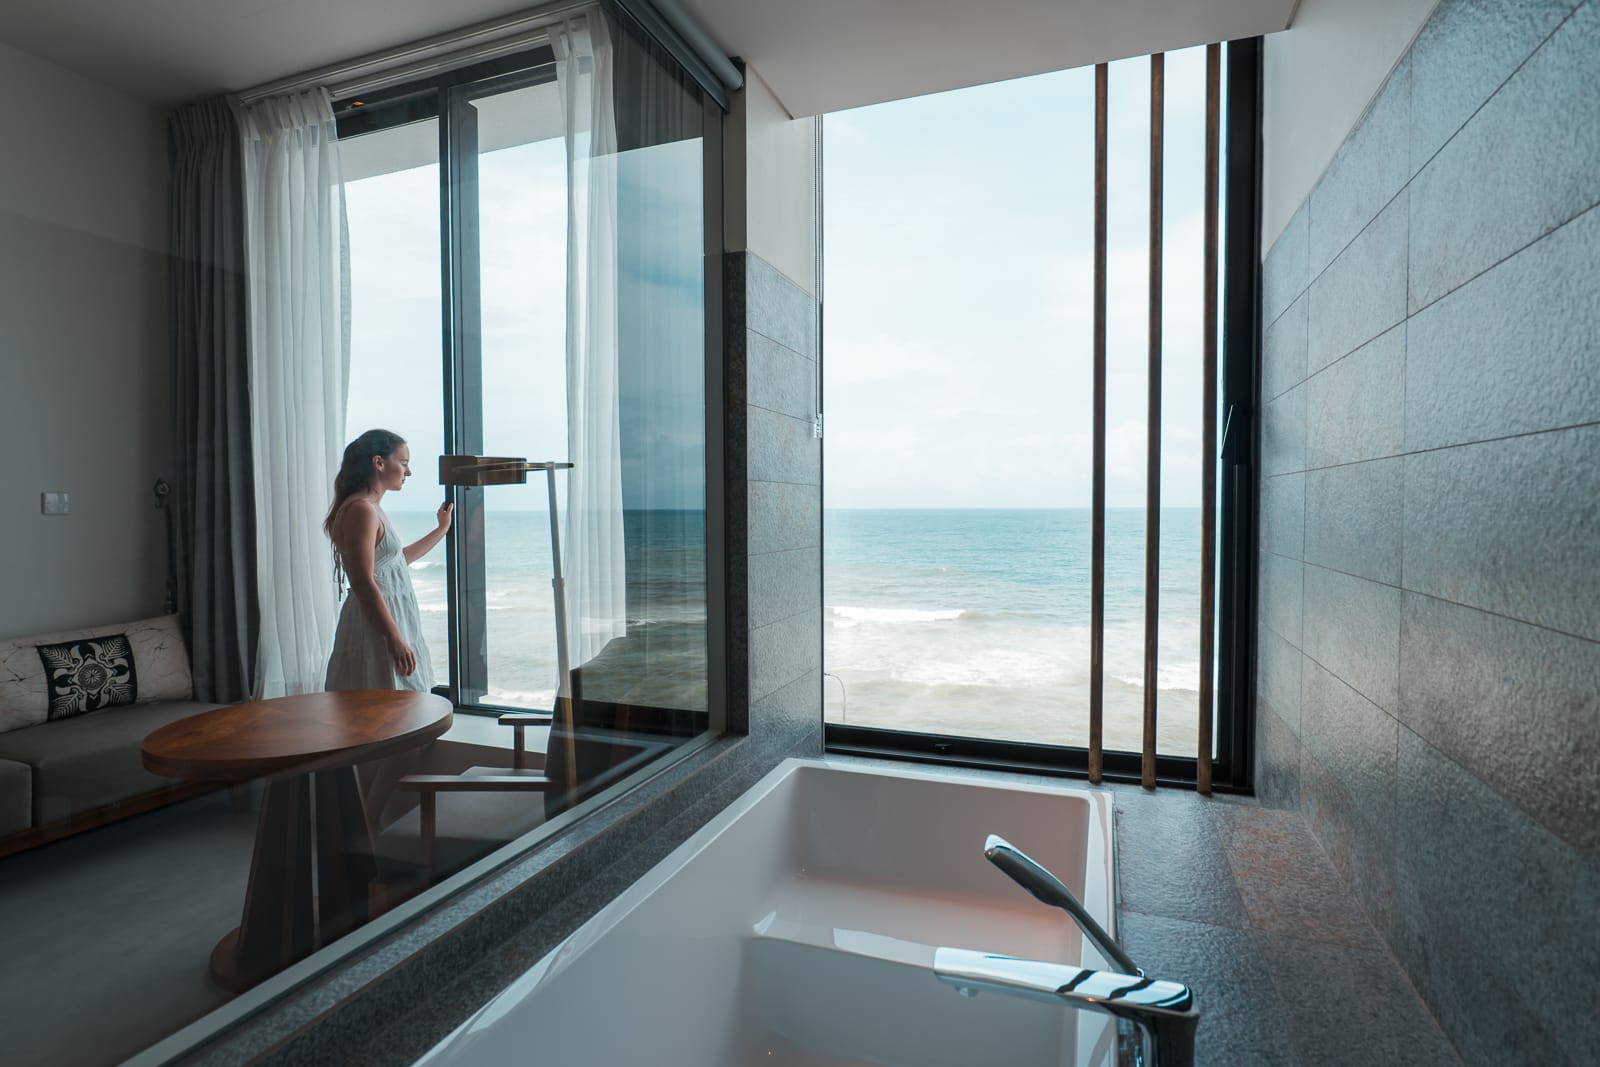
(799, 926)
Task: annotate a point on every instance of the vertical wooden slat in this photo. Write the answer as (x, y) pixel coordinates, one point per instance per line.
(1097, 564)
(1208, 416)
(1152, 536)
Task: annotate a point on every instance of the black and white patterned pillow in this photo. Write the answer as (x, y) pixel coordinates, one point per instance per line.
(87, 675)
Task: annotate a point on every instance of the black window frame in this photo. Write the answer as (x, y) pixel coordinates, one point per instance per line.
(1239, 383)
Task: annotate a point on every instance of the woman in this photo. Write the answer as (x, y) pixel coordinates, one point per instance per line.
(378, 643)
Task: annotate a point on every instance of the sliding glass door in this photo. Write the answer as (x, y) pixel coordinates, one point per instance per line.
(463, 239)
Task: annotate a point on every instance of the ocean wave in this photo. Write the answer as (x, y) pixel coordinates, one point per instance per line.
(433, 608)
(1184, 676)
(424, 564)
(897, 614)
(521, 698)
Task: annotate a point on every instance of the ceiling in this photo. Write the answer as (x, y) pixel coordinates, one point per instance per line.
(816, 55)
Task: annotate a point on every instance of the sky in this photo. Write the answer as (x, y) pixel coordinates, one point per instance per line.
(958, 286)
(957, 291)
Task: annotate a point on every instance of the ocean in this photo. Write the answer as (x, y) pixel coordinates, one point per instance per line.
(971, 622)
(975, 623)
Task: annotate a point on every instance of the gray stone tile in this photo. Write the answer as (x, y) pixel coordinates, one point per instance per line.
(779, 309)
(1283, 350)
(1509, 527)
(779, 379)
(1283, 433)
(1287, 883)
(1485, 1015)
(1515, 704)
(1363, 854)
(1355, 408)
(1354, 741)
(1278, 666)
(1362, 293)
(1528, 161)
(1513, 350)
(1352, 628)
(1463, 54)
(784, 515)
(794, 709)
(1280, 597)
(782, 449)
(1169, 861)
(1368, 170)
(1277, 759)
(1345, 1005)
(1283, 514)
(1353, 518)
(1240, 1023)
(1525, 896)
(782, 652)
(785, 583)
(1284, 272)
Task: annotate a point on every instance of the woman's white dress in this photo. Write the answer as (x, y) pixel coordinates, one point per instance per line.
(360, 658)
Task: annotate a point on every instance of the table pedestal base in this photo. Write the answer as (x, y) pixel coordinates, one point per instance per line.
(286, 918)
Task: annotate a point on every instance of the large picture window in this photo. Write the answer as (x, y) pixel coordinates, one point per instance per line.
(492, 251)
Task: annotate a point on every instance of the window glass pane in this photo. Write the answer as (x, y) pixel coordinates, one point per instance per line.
(396, 369)
(522, 239)
(959, 396)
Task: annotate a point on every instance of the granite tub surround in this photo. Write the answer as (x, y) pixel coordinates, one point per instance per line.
(1428, 691)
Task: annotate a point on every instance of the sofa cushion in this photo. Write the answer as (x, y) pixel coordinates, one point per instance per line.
(16, 797)
(159, 661)
(88, 675)
(92, 759)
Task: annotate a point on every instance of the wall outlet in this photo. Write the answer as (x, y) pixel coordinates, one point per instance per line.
(54, 504)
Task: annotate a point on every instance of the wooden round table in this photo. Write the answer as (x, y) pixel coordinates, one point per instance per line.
(304, 746)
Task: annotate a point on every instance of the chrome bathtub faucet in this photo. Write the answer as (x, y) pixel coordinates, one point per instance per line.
(1165, 1009)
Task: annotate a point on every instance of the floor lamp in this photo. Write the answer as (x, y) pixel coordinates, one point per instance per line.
(479, 471)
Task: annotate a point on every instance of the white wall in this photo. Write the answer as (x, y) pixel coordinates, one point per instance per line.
(84, 364)
(770, 208)
(1320, 75)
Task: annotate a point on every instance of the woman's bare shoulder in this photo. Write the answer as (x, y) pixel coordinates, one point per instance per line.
(355, 517)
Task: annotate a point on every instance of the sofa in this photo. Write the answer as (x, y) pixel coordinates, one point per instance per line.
(75, 706)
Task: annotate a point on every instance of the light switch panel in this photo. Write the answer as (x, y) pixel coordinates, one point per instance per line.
(54, 503)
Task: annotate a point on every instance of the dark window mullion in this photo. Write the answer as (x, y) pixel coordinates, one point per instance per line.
(1240, 376)
(464, 391)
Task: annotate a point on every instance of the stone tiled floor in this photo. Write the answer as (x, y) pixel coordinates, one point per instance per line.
(1241, 903)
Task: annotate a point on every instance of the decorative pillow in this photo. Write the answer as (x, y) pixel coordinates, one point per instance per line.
(158, 661)
(82, 676)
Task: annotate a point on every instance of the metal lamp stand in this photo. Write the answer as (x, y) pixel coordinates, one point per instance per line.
(479, 471)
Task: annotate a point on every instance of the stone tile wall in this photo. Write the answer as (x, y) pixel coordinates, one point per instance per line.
(775, 341)
(1428, 687)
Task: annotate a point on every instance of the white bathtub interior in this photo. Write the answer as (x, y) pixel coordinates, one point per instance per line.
(799, 926)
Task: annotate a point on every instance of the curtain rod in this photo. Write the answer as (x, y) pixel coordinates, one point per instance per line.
(487, 40)
(483, 40)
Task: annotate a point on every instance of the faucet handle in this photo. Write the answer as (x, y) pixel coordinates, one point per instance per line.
(1048, 889)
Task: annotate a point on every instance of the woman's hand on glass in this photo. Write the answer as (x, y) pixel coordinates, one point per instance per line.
(443, 515)
(405, 660)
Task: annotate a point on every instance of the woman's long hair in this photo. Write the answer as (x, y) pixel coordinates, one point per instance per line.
(355, 470)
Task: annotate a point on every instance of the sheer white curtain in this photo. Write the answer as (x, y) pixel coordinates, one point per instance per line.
(594, 564)
(299, 355)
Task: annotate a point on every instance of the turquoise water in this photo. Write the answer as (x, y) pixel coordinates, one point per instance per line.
(971, 622)
(976, 622)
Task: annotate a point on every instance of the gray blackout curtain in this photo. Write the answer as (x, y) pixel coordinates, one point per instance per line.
(216, 551)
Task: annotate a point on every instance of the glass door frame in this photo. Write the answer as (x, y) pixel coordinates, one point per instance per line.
(446, 98)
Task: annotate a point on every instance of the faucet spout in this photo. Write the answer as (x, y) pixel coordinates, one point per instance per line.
(1048, 889)
(1164, 1008)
